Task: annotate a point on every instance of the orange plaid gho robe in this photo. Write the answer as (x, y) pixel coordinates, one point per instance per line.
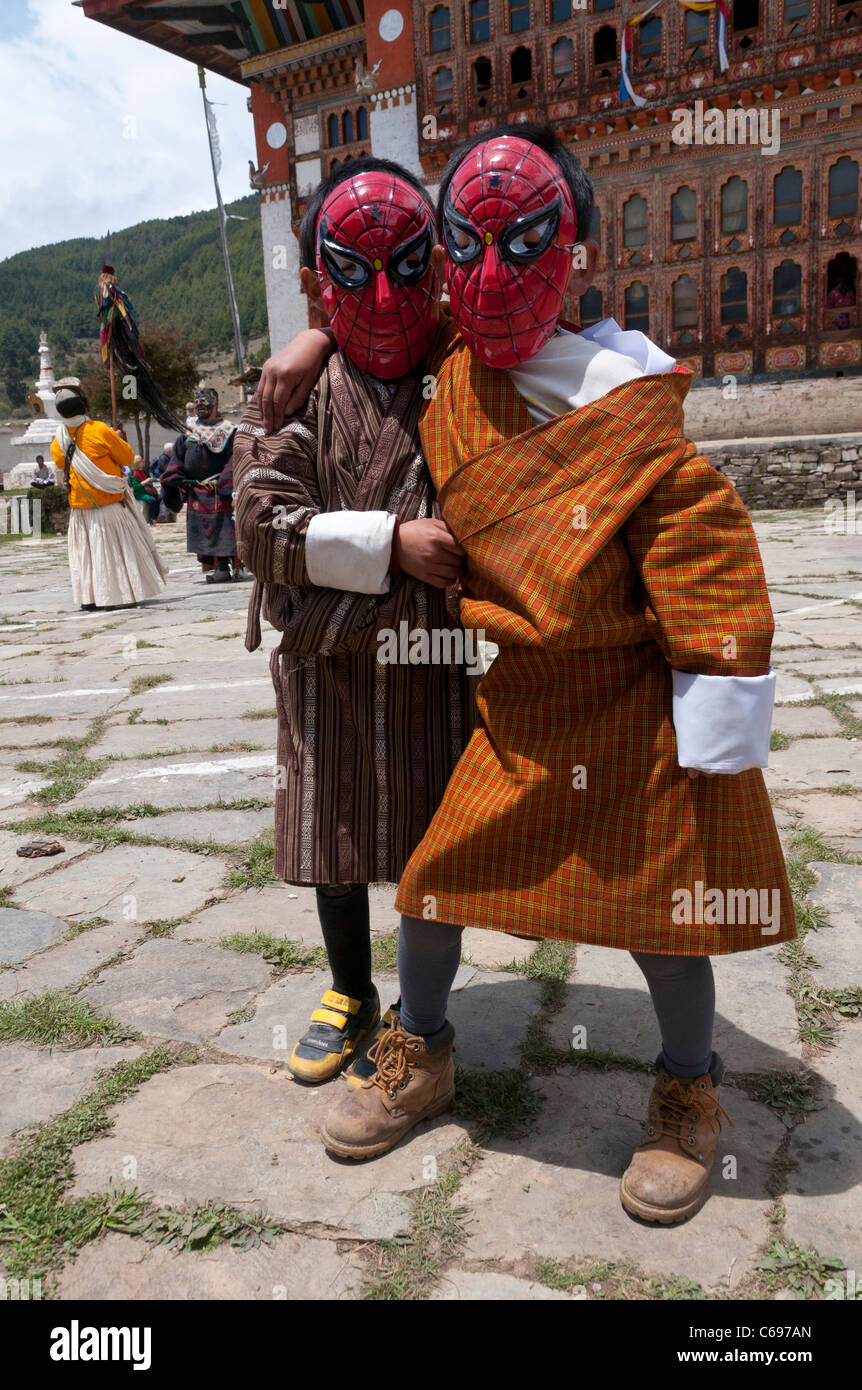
(590, 620)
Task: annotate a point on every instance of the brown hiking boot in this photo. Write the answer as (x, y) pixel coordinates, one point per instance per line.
(414, 1080)
(668, 1177)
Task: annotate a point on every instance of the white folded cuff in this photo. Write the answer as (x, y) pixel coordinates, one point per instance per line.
(722, 723)
(350, 550)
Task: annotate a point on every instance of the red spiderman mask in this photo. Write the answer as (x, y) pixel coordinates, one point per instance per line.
(509, 226)
(379, 287)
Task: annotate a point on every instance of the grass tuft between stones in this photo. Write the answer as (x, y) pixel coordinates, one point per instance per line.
(203, 1228)
(255, 869)
(500, 1102)
(409, 1266)
(55, 1018)
(612, 1280)
(805, 1272)
(275, 950)
(40, 1228)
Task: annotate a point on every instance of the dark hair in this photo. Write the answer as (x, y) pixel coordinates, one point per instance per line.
(547, 140)
(365, 164)
(72, 405)
(40, 458)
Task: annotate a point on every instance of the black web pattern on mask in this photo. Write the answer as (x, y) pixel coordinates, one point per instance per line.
(379, 220)
(502, 187)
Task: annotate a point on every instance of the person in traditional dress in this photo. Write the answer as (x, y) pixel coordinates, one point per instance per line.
(200, 473)
(611, 792)
(44, 476)
(112, 559)
(337, 521)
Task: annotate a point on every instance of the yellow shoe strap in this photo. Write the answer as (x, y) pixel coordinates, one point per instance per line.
(328, 1016)
(341, 1001)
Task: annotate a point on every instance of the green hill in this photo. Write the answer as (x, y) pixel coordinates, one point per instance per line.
(172, 270)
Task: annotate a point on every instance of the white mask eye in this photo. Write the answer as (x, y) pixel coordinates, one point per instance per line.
(345, 267)
(409, 262)
(530, 236)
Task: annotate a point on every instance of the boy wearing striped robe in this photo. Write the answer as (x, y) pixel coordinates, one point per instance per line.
(337, 520)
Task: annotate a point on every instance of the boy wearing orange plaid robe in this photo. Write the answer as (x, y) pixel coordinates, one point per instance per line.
(612, 791)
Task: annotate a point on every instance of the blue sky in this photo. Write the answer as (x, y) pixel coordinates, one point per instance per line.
(100, 130)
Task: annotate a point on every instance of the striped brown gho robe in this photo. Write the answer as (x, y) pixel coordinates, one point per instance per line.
(365, 749)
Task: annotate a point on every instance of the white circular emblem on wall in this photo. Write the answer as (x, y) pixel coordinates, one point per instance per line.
(276, 135)
(390, 26)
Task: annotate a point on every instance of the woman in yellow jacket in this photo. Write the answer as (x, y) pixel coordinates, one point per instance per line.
(112, 557)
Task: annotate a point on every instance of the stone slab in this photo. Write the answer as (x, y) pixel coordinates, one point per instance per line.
(279, 909)
(490, 949)
(815, 764)
(839, 818)
(230, 693)
(15, 870)
(193, 779)
(141, 739)
(824, 1192)
(23, 933)
(470, 1286)
(201, 827)
(838, 947)
(65, 965)
(126, 884)
(37, 1083)
(554, 1194)
(27, 736)
(805, 721)
(285, 910)
(490, 1016)
(174, 989)
(787, 684)
(17, 789)
(755, 1025)
(296, 1267)
(240, 1134)
(90, 697)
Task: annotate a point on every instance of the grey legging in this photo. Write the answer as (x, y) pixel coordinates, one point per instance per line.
(682, 990)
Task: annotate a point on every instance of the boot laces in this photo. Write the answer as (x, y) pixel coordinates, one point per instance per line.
(680, 1106)
(390, 1054)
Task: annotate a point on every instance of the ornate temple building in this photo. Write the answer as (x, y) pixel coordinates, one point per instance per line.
(724, 139)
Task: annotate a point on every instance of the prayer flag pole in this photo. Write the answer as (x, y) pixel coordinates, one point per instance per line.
(215, 160)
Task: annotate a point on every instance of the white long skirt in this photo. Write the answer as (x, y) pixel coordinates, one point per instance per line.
(109, 558)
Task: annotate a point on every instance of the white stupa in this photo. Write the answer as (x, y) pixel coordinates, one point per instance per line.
(41, 430)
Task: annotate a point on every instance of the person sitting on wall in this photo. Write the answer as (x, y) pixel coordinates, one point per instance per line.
(44, 476)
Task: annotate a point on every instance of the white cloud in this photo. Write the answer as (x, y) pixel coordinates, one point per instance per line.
(101, 130)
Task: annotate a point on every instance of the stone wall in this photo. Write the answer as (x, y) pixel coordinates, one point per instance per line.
(804, 405)
(791, 472)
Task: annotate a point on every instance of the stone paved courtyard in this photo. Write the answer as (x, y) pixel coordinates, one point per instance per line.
(174, 1156)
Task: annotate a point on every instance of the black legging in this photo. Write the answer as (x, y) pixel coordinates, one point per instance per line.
(345, 923)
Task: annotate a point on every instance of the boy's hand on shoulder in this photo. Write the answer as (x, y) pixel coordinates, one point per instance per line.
(428, 550)
(289, 375)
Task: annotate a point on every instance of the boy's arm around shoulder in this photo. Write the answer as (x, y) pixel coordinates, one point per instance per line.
(708, 609)
(284, 533)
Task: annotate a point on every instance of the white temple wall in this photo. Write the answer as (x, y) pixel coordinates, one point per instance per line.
(286, 304)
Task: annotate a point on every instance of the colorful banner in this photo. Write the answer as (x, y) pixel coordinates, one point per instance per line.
(626, 89)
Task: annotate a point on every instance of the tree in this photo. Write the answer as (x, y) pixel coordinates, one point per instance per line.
(173, 362)
(18, 359)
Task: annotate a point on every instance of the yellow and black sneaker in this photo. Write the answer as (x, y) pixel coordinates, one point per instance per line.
(337, 1029)
(362, 1067)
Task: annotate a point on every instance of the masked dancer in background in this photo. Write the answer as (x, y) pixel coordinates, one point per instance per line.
(200, 474)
